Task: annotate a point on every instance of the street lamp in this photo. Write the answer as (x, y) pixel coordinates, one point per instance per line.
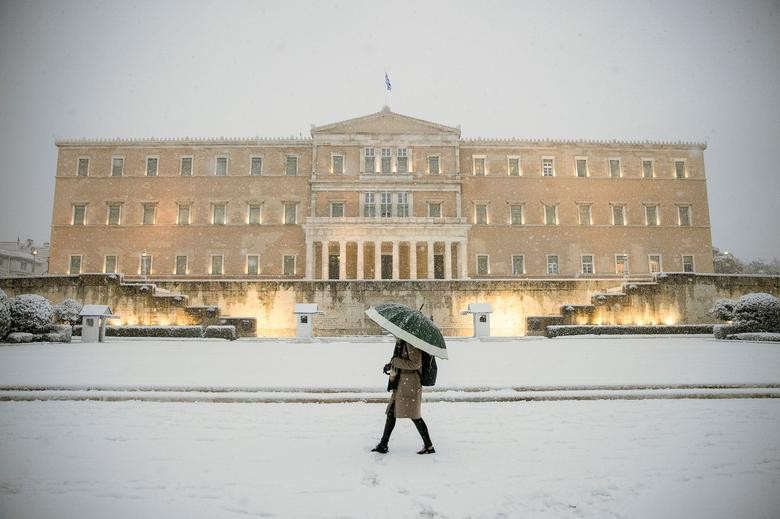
(35, 258)
(144, 255)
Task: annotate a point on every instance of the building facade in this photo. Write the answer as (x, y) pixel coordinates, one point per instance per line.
(384, 196)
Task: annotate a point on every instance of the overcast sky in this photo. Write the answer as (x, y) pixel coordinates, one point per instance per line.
(678, 70)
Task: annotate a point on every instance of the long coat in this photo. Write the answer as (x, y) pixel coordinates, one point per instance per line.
(407, 396)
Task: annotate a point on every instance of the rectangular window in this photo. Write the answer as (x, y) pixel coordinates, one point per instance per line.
(483, 265)
(83, 169)
(114, 214)
(183, 214)
(216, 265)
(513, 166)
(687, 262)
(552, 264)
(479, 166)
(181, 266)
(109, 265)
(336, 209)
(254, 214)
(150, 212)
(221, 166)
(290, 213)
(614, 168)
(584, 214)
(369, 205)
(516, 214)
(402, 207)
(386, 166)
(369, 161)
(586, 263)
(679, 169)
(289, 266)
(654, 263)
(582, 167)
(481, 214)
(117, 166)
(647, 168)
(518, 265)
(253, 265)
(337, 164)
(292, 166)
(185, 167)
(385, 204)
(548, 169)
(621, 264)
(256, 166)
(403, 161)
(433, 165)
(219, 214)
(684, 215)
(434, 209)
(551, 215)
(618, 215)
(145, 268)
(651, 215)
(79, 214)
(151, 166)
(75, 265)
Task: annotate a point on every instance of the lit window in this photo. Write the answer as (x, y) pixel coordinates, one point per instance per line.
(387, 162)
(516, 214)
(369, 205)
(654, 263)
(651, 215)
(684, 215)
(185, 167)
(402, 207)
(181, 265)
(292, 166)
(256, 166)
(479, 166)
(582, 168)
(548, 168)
(385, 204)
(434, 209)
(109, 265)
(518, 265)
(336, 209)
(618, 215)
(647, 168)
(75, 265)
(183, 214)
(221, 167)
(621, 264)
(481, 214)
(150, 213)
(433, 165)
(254, 216)
(679, 169)
(253, 265)
(337, 164)
(151, 166)
(483, 265)
(584, 214)
(403, 161)
(687, 262)
(216, 265)
(83, 169)
(514, 166)
(79, 214)
(289, 266)
(614, 168)
(290, 213)
(552, 264)
(117, 166)
(369, 161)
(587, 263)
(551, 215)
(218, 214)
(114, 214)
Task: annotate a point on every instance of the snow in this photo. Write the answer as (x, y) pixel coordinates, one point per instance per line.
(580, 427)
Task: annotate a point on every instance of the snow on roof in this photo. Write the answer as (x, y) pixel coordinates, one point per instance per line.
(95, 310)
(307, 308)
(479, 308)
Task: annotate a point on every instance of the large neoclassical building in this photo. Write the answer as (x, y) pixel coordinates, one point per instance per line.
(384, 196)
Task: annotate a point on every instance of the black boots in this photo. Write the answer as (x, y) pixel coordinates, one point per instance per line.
(381, 447)
(426, 438)
(389, 424)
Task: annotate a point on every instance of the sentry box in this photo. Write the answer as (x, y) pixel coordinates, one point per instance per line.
(93, 322)
(481, 315)
(304, 315)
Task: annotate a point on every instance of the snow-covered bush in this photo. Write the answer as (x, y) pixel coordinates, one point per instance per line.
(67, 312)
(628, 329)
(723, 309)
(5, 315)
(31, 313)
(759, 312)
(152, 331)
(221, 332)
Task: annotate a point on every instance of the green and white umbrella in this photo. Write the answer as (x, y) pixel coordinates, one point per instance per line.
(410, 325)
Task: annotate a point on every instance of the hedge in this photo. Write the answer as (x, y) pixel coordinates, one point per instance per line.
(628, 329)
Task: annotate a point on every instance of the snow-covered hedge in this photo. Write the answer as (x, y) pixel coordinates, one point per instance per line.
(57, 333)
(751, 313)
(627, 329)
(723, 309)
(758, 336)
(5, 315)
(31, 313)
(68, 312)
(154, 331)
(221, 332)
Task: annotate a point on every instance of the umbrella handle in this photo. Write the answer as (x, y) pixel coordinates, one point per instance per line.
(422, 306)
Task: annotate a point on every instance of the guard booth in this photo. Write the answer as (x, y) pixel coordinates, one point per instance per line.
(93, 322)
(481, 316)
(304, 317)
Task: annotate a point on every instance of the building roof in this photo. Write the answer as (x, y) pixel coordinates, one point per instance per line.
(385, 121)
(96, 311)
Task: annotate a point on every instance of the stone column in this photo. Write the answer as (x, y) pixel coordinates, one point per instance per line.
(463, 259)
(377, 260)
(360, 259)
(342, 259)
(430, 260)
(325, 258)
(396, 262)
(412, 260)
(309, 259)
(447, 260)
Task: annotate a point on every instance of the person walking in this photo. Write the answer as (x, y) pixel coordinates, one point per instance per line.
(404, 381)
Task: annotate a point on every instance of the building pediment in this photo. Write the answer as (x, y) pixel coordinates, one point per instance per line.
(385, 122)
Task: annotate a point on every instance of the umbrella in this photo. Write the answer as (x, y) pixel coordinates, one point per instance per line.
(410, 325)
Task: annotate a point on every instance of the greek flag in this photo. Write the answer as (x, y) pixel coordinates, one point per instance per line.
(388, 86)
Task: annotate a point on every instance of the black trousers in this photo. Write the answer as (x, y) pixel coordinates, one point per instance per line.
(419, 423)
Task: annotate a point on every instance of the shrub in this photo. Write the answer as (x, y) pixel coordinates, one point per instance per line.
(5, 315)
(68, 312)
(723, 309)
(31, 313)
(628, 329)
(153, 331)
(758, 312)
(221, 332)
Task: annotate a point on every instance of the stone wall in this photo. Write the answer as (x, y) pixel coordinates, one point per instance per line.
(669, 299)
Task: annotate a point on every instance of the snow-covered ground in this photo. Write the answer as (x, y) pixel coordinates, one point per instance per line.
(703, 457)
